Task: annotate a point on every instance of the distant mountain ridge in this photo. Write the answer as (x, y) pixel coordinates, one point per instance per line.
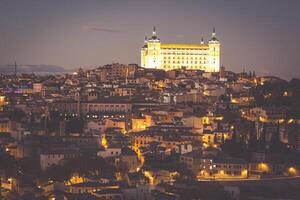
(10, 69)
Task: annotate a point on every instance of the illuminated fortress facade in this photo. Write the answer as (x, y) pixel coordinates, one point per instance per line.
(203, 56)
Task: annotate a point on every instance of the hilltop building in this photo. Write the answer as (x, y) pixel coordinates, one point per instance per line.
(203, 56)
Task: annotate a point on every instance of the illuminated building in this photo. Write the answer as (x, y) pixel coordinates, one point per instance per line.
(223, 168)
(56, 157)
(2, 100)
(37, 87)
(5, 125)
(129, 159)
(140, 124)
(115, 123)
(115, 71)
(104, 141)
(90, 187)
(215, 137)
(74, 180)
(155, 54)
(214, 167)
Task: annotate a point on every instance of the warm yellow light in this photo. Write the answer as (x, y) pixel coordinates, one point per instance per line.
(204, 173)
(222, 172)
(262, 119)
(205, 120)
(150, 177)
(74, 180)
(292, 171)
(104, 142)
(255, 81)
(174, 174)
(153, 56)
(234, 101)
(2, 100)
(264, 167)
(244, 173)
(219, 118)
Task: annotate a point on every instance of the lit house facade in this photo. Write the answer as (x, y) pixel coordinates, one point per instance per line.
(202, 56)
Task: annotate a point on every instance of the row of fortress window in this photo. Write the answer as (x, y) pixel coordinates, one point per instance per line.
(187, 62)
(191, 67)
(196, 58)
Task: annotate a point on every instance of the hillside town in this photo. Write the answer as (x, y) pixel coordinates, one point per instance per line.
(123, 132)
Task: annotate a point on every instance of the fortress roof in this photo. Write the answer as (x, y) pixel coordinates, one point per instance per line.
(184, 46)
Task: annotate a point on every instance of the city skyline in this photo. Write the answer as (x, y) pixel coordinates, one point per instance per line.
(254, 35)
(149, 100)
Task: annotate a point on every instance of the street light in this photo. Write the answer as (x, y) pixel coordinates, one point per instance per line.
(292, 171)
(264, 167)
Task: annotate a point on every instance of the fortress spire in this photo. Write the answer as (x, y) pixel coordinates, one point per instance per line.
(154, 35)
(214, 36)
(154, 31)
(145, 41)
(202, 40)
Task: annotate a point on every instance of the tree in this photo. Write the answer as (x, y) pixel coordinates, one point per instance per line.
(75, 125)
(53, 121)
(261, 143)
(215, 138)
(223, 138)
(233, 146)
(252, 142)
(16, 114)
(8, 164)
(87, 164)
(57, 173)
(275, 144)
(29, 166)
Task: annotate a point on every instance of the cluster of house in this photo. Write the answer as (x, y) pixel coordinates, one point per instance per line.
(126, 113)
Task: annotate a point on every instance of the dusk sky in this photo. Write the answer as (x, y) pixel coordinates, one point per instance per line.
(260, 35)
